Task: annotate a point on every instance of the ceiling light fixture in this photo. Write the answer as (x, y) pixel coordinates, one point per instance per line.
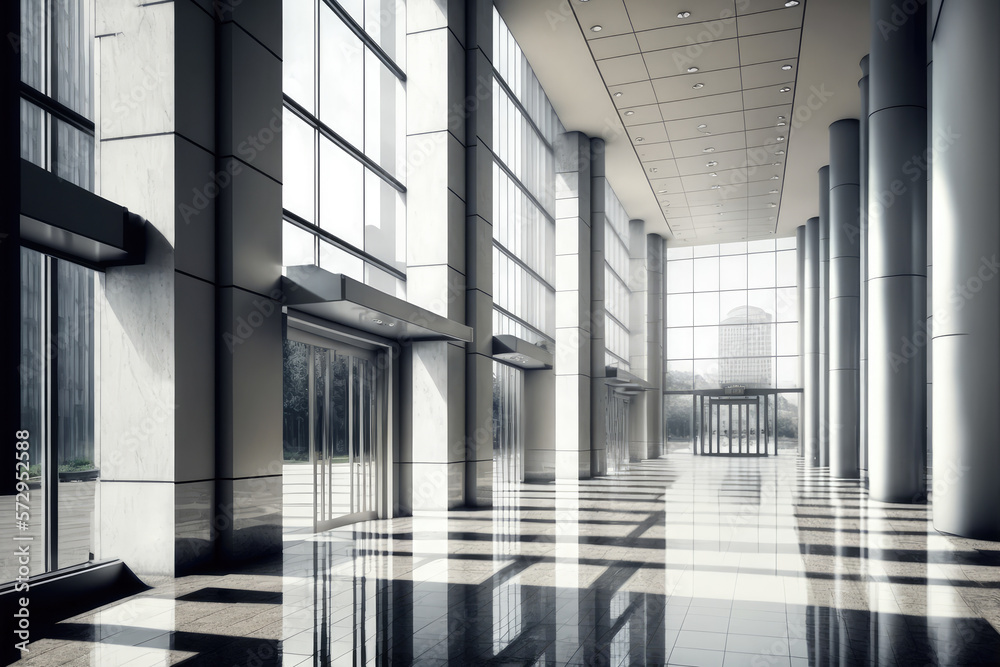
(713, 163)
(653, 169)
(629, 113)
(662, 192)
(779, 153)
(708, 150)
(786, 67)
(596, 28)
(698, 86)
(782, 124)
(716, 187)
(781, 138)
(786, 89)
(773, 205)
(687, 15)
(692, 70)
(702, 126)
(781, 118)
(775, 178)
(773, 192)
(713, 174)
(639, 139)
(618, 94)
(791, 3)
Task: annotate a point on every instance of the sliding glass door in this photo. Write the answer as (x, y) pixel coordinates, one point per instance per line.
(335, 424)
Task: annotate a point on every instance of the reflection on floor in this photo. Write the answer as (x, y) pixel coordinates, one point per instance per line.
(682, 560)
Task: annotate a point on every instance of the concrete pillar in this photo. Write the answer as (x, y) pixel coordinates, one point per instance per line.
(863, 251)
(965, 284)
(574, 323)
(845, 288)
(656, 249)
(810, 347)
(479, 254)
(824, 316)
(598, 391)
(897, 264)
(432, 470)
(638, 281)
(800, 283)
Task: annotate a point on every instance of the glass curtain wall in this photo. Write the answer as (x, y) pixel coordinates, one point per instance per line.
(616, 278)
(525, 128)
(57, 96)
(732, 319)
(344, 139)
(508, 425)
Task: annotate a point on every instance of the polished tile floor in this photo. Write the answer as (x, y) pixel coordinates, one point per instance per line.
(681, 560)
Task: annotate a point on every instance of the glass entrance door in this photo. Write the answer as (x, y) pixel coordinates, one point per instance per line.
(335, 425)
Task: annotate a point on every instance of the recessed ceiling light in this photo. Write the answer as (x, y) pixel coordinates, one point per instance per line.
(653, 169)
(781, 118)
(773, 192)
(702, 126)
(773, 205)
(687, 15)
(781, 138)
(713, 163)
(698, 86)
(618, 94)
(666, 203)
(775, 164)
(713, 174)
(708, 150)
(786, 67)
(596, 28)
(775, 178)
(629, 113)
(662, 192)
(791, 3)
(786, 89)
(718, 206)
(779, 153)
(716, 187)
(639, 139)
(692, 70)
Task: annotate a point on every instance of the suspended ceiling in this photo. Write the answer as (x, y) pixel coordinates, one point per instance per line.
(692, 106)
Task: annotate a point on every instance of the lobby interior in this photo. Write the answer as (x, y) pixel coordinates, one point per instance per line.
(501, 332)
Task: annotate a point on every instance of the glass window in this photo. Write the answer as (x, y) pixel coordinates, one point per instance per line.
(342, 194)
(706, 309)
(384, 115)
(679, 276)
(706, 274)
(787, 268)
(298, 53)
(336, 260)
(706, 342)
(385, 228)
(760, 270)
(679, 310)
(298, 246)
(733, 272)
(679, 252)
(299, 167)
(680, 343)
(341, 78)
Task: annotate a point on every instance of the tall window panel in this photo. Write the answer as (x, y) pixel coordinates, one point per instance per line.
(731, 315)
(57, 95)
(344, 139)
(616, 273)
(524, 130)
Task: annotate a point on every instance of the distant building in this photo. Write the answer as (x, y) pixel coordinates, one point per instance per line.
(745, 351)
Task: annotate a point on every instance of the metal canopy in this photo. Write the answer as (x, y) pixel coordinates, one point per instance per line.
(519, 352)
(343, 300)
(624, 382)
(65, 220)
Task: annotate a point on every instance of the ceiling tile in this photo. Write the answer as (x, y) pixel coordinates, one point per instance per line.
(713, 55)
(659, 13)
(769, 96)
(765, 137)
(733, 141)
(625, 69)
(654, 152)
(683, 87)
(612, 47)
(723, 161)
(690, 35)
(717, 124)
(772, 46)
(763, 188)
(764, 117)
(705, 106)
(754, 6)
(641, 115)
(785, 19)
(633, 94)
(651, 134)
(768, 74)
(609, 14)
(661, 169)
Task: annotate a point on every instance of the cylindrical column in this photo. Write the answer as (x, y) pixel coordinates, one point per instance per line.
(863, 240)
(897, 254)
(845, 293)
(966, 286)
(800, 267)
(824, 316)
(810, 342)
